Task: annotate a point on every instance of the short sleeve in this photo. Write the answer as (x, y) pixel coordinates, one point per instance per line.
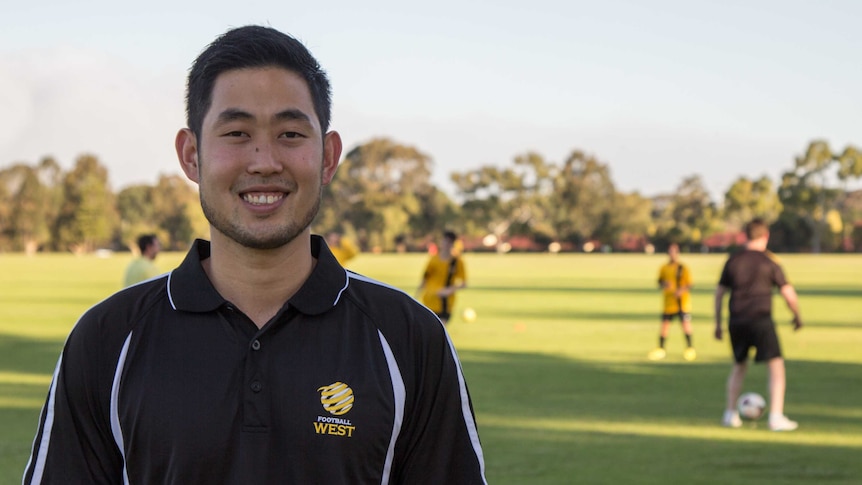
(778, 278)
(726, 279)
(686, 277)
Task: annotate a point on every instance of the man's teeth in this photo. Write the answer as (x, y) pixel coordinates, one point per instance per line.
(261, 199)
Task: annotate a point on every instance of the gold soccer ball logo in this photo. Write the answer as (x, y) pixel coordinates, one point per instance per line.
(337, 398)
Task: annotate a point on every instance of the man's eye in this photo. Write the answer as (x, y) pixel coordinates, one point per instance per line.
(291, 134)
(234, 133)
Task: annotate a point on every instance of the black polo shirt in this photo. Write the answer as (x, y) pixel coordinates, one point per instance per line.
(751, 277)
(167, 382)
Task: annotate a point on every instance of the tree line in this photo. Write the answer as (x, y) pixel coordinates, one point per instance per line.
(383, 198)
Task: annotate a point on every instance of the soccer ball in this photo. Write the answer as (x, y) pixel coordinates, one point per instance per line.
(751, 405)
(469, 315)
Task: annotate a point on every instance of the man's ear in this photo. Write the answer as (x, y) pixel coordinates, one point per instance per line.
(331, 155)
(187, 151)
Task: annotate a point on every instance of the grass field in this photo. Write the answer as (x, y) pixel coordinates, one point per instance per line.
(556, 363)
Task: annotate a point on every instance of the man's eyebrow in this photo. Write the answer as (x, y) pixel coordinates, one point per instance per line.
(234, 114)
(292, 115)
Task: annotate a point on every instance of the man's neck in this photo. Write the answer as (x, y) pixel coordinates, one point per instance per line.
(758, 244)
(257, 281)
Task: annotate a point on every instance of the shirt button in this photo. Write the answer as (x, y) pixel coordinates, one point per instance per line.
(256, 386)
(255, 345)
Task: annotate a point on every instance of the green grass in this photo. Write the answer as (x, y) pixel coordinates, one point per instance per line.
(556, 365)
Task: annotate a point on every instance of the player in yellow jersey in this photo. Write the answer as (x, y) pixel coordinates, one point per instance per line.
(444, 275)
(342, 248)
(674, 279)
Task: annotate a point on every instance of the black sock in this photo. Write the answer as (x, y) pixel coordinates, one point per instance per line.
(688, 339)
(661, 341)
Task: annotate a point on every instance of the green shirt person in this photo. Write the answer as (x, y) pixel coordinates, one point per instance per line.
(143, 268)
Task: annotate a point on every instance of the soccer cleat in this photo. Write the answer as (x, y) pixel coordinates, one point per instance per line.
(781, 423)
(731, 420)
(689, 354)
(657, 354)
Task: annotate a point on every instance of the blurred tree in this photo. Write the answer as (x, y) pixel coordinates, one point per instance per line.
(485, 199)
(5, 211)
(694, 211)
(662, 231)
(818, 184)
(748, 198)
(631, 217)
(509, 201)
(851, 209)
(177, 212)
(51, 176)
(11, 181)
(582, 203)
(532, 185)
(849, 168)
(30, 200)
(575, 202)
(170, 209)
(29, 220)
(849, 164)
(135, 208)
(791, 232)
(437, 212)
(87, 217)
(685, 217)
(378, 189)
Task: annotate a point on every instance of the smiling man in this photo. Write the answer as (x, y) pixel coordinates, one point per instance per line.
(259, 359)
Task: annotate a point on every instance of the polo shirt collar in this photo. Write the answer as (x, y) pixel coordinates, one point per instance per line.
(324, 286)
(190, 289)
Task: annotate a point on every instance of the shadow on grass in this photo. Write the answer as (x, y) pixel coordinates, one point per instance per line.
(568, 289)
(567, 314)
(834, 324)
(26, 365)
(40, 301)
(585, 422)
(28, 355)
(701, 289)
(835, 291)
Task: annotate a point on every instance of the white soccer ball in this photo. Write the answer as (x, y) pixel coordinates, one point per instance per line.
(469, 315)
(751, 405)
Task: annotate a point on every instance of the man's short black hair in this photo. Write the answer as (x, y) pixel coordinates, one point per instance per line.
(145, 240)
(756, 229)
(254, 46)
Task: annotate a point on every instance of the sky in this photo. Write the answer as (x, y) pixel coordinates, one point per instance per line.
(658, 90)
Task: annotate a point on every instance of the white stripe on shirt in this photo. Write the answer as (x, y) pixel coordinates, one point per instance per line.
(400, 399)
(115, 415)
(45, 439)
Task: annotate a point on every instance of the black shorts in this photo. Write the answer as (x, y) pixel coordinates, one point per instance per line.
(683, 316)
(759, 334)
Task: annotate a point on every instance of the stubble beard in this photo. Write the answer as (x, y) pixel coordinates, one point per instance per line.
(249, 239)
(276, 238)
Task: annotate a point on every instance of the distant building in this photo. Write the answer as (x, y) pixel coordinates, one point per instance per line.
(724, 240)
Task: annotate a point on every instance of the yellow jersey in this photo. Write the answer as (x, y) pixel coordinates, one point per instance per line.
(670, 277)
(345, 251)
(436, 274)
